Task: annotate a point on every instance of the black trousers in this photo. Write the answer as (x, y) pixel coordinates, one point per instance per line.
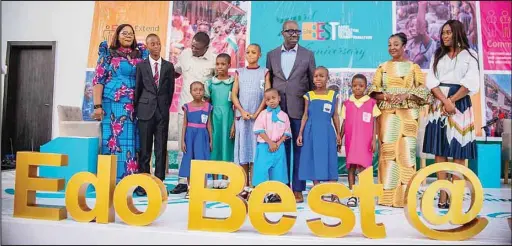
(158, 128)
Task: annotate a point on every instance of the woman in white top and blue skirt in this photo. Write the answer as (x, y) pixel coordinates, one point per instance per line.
(453, 77)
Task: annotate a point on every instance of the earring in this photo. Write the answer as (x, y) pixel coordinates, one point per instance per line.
(458, 44)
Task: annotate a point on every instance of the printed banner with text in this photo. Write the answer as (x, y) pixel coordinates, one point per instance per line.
(422, 21)
(341, 34)
(145, 17)
(496, 38)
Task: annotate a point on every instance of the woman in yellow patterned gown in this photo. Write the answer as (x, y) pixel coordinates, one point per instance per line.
(398, 85)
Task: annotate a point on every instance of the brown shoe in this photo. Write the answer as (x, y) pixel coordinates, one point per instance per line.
(298, 196)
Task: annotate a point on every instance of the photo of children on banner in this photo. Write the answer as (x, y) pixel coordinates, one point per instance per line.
(223, 21)
(421, 22)
(498, 101)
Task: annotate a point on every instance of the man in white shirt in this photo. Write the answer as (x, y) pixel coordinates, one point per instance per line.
(196, 63)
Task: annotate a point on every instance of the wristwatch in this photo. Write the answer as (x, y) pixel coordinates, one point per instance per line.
(96, 106)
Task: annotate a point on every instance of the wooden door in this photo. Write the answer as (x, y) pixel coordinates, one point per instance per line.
(28, 97)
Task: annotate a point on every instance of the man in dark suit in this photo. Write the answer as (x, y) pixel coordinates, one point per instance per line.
(154, 87)
(291, 70)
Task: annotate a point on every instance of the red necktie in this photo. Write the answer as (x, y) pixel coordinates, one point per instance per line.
(156, 77)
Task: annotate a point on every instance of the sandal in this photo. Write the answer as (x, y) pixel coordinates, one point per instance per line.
(273, 198)
(352, 202)
(335, 199)
(187, 195)
(445, 205)
(245, 194)
(326, 197)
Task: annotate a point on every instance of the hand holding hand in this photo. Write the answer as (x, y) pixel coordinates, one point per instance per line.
(397, 99)
(338, 140)
(246, 115)
(255, 115)
(273, 147)
(449, 107)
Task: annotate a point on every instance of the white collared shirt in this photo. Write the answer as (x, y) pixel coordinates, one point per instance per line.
(192, 69)
(152, 63)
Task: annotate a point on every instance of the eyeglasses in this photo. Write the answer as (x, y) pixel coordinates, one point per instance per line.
(293, 31)
(127, 33)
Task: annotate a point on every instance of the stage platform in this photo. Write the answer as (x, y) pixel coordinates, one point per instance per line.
(171, 227)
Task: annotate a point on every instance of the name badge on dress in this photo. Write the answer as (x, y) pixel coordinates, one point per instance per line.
(204, 118)
(229, 96)
(367, 117)
(327, 107)
(262, 84)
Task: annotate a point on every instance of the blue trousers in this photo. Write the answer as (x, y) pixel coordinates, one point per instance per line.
(296, 184)
(269, 166)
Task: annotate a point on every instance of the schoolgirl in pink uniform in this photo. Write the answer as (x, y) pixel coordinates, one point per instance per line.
(359, 127)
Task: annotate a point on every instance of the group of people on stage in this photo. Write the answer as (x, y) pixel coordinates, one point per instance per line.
(281, 122)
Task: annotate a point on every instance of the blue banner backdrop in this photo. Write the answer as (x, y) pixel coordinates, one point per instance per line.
(341, 34)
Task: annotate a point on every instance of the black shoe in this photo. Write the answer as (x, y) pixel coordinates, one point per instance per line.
(273, 198)
(443, 205)
(140, 191)
(180, 188)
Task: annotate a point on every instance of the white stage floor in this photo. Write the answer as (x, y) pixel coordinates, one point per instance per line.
(171, 227)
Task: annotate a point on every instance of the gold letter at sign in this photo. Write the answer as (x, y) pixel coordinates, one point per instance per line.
(104, 183)
(199, 195)
(366, 191)
(257, 208)
(471, 223)
(340, 211)
(27, 183)
(123, 200)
